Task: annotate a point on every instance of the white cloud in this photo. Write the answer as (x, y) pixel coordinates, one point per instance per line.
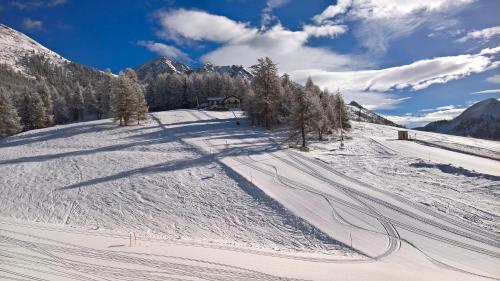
(35, 4)
(441, 113)
(415, 76)
(494, 79)
(386, 9)
(165, 50)
(333, 10)
(484, 34)
(492, 91)
(267, 15)
(198, 25)
(325, 30)
(243, 44)
(378, 22)
(32, 24)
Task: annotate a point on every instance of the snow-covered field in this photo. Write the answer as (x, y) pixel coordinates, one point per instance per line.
(147, 179)
(215, 201)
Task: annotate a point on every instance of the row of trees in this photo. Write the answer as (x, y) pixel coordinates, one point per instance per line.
(58, 94)
(180, 90)
(67, 93)
(276, 100)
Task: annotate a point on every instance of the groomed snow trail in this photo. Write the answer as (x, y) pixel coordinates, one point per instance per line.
(147, 179)
(306, 196)
(382, 225)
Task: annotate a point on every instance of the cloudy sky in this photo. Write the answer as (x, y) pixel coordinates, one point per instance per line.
(414, 61)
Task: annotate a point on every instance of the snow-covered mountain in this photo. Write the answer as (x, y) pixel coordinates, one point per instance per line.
(160, 65)
(234, 71)
(481, 120)
(15, 46)
(359, 113)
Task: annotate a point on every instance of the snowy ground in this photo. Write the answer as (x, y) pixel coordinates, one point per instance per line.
(203, 193)
(458, 184)
(147, 179)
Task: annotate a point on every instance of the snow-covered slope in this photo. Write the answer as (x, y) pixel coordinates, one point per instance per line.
(359, 113)
(15, 46)
(206, 196)
(481, 120)
(149, 179)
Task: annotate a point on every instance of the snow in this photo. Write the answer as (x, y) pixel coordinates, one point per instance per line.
(145, 178)
(213, 200)
(15, 45)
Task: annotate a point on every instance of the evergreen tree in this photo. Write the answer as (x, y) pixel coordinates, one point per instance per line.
(103, 92)
(302, 114)
(9, 120)
(267, 89)
(91, 104)
(128, 102)
(33, 112)
(342, 115)
(286, 99)
(46, 95)
(77, 102)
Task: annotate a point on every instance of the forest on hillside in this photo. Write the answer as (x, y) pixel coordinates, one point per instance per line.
(57, 94)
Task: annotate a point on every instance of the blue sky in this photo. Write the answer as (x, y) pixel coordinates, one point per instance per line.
(415, 61)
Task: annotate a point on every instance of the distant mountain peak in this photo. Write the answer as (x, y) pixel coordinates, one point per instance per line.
(160, 65)
(163, 65)
(481, 120)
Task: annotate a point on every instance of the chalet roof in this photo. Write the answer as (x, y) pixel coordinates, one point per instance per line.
(216, 98)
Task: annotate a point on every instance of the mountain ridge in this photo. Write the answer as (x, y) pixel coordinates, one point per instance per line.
(151, 69)
(358, 113)
(16, 46)
(481, 120)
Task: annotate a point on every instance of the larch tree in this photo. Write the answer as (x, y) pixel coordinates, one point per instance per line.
(33, 113)
(46, 95)
(341, 112)
(128, 102)
(267, 89)
(10, 123)
(77, 102)
(302, 114)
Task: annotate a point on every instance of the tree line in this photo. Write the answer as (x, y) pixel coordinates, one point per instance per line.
(274, 100)
(181, 90)
(57, 94)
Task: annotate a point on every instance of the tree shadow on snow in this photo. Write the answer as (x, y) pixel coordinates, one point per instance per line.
(450, 169)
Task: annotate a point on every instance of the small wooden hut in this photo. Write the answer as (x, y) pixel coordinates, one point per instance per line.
(402, 135)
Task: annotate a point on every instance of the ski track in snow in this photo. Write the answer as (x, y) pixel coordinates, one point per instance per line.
(195, 179)
(142, 178)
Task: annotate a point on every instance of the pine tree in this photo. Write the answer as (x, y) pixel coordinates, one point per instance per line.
(342, 115)
(267, 89)
(77, 102)
(330, 111)
(286, 99)
(319, 118)
(33, 113)
(128, 102)
(302, 115)
(91, 104)
(46, 95)
(103, 92)
(9, 120)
